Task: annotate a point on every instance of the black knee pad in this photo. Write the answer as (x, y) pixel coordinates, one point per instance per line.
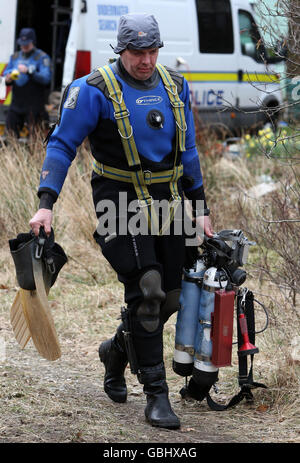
(148, 312)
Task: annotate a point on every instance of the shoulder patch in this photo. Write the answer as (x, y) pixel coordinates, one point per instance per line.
(71, 101)
(63, 98)
(46, 61)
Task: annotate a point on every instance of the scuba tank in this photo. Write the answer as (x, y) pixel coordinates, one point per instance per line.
(186, 325)
(205, 373)
(204, 327)
(193, 343)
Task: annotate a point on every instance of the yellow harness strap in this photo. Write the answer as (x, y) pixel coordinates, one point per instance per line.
(176, 103)
(121, 175)
(136, 175)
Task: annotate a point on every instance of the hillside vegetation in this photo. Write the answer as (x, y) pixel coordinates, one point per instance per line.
(64, 401)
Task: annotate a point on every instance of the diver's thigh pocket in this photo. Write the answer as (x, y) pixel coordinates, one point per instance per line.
(118, 251)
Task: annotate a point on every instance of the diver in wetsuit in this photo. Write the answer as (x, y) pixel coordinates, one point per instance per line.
(138, 118)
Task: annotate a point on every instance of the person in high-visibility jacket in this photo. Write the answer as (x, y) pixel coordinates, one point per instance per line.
(29, 73)
(139, 121)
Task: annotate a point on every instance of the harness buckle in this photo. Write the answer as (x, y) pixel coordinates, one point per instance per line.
(183, 129)
(121, 114)
(172, 89)
(177, 104)
(146, 202)
(147, 177)
(124, 136)
(99, 168)
(176, 198)
(118, 101)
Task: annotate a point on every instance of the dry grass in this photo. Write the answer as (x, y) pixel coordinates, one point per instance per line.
(64, 401)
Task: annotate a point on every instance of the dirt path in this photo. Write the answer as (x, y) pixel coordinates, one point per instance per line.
(63, 401)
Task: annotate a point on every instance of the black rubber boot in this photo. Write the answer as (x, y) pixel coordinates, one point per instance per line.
(114, 357)
(158, 411)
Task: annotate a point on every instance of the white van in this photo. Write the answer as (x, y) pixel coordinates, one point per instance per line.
(215, 44)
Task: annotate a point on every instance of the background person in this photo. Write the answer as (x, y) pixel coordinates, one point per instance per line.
(29, 73)
(148, 265)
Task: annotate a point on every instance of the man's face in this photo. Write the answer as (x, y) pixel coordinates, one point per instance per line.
(140, 64)
(28, 47)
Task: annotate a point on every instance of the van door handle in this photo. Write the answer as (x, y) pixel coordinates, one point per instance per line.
(240, 74)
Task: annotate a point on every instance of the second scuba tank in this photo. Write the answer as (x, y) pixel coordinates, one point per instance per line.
(205, 373)
(186, 325)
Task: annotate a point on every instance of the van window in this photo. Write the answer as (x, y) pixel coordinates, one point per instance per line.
(215, 26)
(251, 43)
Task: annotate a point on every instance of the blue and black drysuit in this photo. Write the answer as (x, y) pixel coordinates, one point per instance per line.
(87, 111)
(29, 94)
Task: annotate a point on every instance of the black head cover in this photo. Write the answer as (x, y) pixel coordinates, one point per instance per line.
(43, 248)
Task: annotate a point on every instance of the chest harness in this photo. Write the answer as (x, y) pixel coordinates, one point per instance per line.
(136, 175)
